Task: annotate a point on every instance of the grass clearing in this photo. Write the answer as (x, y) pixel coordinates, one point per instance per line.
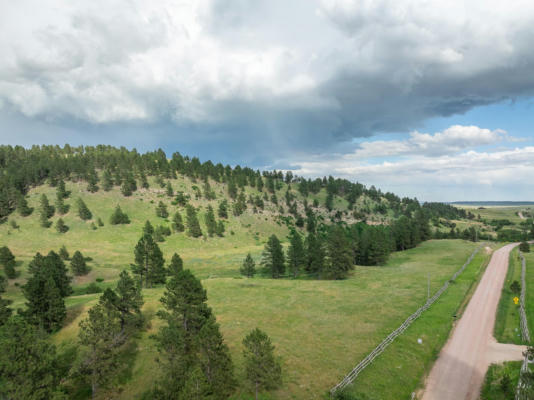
(507, 325)
(400, 370)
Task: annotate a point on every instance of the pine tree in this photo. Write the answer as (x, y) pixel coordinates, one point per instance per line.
(259, 184)
(83, 211)
(176, 265)
(144, 180)
(223, 209)
(5, 311)
(92, 180)
(60, 226)
(45, 211)
(262, 369)
(215, 361)
(232, 189)
(100, 222)
(177, 223)
(61, 207)
(329, 203)
(296, 258)
(128, 185)
(193, 227)
(249, 267)
(61, 191)
(29, 365)
(220, 229)
(315, 254)
(149, 262)
(63, 253)
(126, 300)
(100, 335)
(169, 190)
(7, 261)
(107, 181)
(126, 188)
(22, 206)
(211, 224)
(78, 264)
(148, 229)
(340, 256)
(43, 220)
(161, 210)
(52, 266)
(194, 359)
(45, 306)
(119, 217)
(273, 257)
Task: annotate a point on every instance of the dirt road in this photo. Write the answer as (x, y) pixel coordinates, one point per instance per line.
(462, 364)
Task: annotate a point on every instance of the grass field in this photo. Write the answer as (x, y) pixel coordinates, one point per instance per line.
(529, 295)
(401, 369)
(493, 387)
(507, 329)
(321, 329)
(498, 212)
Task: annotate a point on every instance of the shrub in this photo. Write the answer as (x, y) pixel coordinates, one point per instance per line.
(93, 288)
(118, 217)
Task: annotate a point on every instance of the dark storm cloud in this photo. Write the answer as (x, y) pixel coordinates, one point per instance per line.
(259, 82)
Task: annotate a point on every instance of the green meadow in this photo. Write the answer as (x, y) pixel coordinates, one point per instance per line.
(321, 329)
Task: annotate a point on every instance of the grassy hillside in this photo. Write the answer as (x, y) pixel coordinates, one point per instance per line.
(325, 326)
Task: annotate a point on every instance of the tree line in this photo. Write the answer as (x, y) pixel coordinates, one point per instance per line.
(331, 251)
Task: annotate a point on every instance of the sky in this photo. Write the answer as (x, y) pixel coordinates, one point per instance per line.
(427, 99)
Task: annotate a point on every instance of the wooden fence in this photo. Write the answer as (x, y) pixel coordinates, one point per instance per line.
(351, 376)
(522, 388)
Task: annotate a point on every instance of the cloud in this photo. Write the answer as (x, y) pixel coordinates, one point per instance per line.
(268, 77)
(451, 140)
(446, 166)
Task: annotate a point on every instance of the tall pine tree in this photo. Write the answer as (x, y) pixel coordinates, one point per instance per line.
(149, 262)
(273, 257)
(193, 227)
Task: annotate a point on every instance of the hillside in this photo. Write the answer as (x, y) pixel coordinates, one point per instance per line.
(315, 324)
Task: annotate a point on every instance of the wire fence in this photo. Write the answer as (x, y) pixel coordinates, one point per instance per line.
(351, 376)
(522, 313)
(522, 390)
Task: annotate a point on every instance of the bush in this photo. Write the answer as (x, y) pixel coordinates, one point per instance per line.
(118, 217)
(93, 288)
(524, 247)
(83, 210)
(61, 227)
(63, 253)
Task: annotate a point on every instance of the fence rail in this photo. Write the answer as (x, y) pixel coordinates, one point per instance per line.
(521, 390)
(522, 313)
(351, 376)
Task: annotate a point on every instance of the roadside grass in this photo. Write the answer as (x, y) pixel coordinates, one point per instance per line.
(492, 388)
(507, 325)
(400, 370)
(529, 295)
